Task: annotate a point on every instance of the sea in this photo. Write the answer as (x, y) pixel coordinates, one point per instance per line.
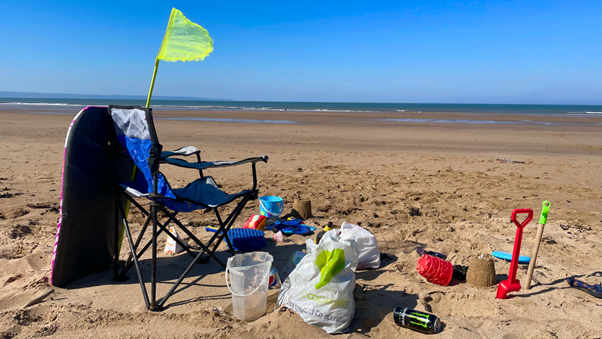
(59, 103)
(72, 106)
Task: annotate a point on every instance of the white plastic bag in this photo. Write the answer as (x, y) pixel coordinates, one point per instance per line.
(368, 253)
(171, 246)
(320, 289)
(290, 265)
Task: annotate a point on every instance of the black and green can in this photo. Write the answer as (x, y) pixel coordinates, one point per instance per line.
(416, 320)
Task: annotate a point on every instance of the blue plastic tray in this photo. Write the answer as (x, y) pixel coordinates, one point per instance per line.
(246, 239)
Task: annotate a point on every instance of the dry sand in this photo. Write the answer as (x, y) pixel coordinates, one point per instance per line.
(414, 185)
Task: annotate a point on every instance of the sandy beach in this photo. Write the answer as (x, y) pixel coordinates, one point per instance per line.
(409, 178)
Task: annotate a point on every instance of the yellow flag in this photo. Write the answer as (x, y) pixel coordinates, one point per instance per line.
(184, 40)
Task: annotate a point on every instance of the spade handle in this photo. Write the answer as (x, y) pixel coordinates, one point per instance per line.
(540, 227)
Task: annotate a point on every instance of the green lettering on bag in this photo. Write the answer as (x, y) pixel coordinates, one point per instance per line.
(323, 300)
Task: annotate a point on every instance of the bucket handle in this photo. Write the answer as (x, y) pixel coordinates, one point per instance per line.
(279, 212)
(244, 295)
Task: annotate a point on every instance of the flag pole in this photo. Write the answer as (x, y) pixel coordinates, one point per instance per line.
(150, 91)
(148, 99)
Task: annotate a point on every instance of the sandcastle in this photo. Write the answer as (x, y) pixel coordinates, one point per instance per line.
(481, 271)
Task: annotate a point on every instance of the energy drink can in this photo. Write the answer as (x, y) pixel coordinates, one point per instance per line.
(415, 320)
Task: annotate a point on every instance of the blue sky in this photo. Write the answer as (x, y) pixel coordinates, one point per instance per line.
(357, 51)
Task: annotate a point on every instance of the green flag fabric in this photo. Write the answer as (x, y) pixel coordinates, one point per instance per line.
(184, 40)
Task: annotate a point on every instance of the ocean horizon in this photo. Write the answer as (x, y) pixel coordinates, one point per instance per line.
(349, 107)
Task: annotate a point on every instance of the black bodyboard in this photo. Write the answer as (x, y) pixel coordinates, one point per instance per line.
(92, 168)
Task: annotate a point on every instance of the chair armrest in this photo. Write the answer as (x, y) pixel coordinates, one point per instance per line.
(184, 151)
(207, 164)
(136, 192)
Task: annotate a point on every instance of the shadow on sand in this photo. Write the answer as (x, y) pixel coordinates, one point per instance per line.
(169, 269)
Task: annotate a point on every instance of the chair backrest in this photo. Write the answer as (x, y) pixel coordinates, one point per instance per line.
(136, 133)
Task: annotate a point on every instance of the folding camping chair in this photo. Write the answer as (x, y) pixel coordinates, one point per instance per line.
(136, 134)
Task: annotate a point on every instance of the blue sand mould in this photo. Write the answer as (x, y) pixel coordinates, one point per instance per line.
(508, 257)
(244, 239)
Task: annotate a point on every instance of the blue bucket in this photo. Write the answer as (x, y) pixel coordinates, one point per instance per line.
(270, 206)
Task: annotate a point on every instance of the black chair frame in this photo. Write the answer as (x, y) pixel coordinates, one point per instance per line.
(157, 204)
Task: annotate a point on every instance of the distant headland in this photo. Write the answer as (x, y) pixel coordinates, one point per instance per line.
(39, 95)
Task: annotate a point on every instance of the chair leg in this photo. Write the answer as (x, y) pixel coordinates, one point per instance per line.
(173, 288)
(194, 238)
(178, 241)
(132, 250)
(224, 228)
(192, 264)
(225, 235)
(228, 224)
(128, 263)
(162, 228)
(116, 248)
(229, 244)
(154, 210)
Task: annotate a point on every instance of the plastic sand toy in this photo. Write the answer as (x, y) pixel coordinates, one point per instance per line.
(435, 270)
(594, 290)
(512, 284)
(522, 259)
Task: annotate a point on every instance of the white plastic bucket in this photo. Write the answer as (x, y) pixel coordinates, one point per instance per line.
(249, 275)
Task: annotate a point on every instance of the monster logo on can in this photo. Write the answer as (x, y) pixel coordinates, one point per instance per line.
(417, 321)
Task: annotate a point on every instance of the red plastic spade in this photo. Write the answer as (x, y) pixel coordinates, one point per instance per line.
(511, 284)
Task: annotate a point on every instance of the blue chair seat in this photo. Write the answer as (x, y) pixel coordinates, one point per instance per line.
(204, 192)
(199, 194)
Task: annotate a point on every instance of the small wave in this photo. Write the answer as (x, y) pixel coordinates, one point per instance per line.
(258, 109)
(40, 104)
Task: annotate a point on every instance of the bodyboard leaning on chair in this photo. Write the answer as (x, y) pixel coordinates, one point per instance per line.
(85, 239)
